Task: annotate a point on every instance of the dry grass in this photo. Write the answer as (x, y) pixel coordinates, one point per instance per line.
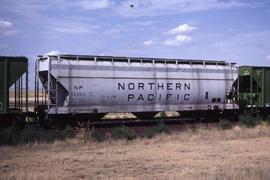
(204, 153)
(221, 173)
(203, 133)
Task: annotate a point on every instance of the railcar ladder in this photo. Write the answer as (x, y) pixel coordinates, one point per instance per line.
(52, 96)
(52, 91)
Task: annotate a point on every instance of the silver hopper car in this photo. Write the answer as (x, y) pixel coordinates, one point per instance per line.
(91, 86)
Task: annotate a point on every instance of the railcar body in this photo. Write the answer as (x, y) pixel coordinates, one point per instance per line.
(254, 89)
(13, 88)
(78, 84)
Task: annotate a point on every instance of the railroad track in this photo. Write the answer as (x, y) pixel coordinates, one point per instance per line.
(146, 122)
(128, 122)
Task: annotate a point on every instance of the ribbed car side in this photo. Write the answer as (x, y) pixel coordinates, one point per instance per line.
(96, 85)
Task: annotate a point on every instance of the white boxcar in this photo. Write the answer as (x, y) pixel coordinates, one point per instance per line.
(103, 84)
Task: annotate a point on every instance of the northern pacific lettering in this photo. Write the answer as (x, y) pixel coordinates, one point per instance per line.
(149, 91)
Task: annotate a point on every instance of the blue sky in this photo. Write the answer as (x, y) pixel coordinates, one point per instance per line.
(232, 30)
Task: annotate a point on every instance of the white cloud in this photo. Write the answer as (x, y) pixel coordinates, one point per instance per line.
(10, 32)
(268, 57)
(72, 27)
(94, 4)
(162, 7)
(113, 30)
(5, 24)
(71, 30)
(182, 28)
(119, 29)
(52, 53)
(183, 38)
(178, 40)
(6, 28)
(32, 8)
(143, 23)
(148, 43)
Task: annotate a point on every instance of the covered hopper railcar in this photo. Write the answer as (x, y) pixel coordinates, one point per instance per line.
(13, 89)
(91, 86)
(254, 90)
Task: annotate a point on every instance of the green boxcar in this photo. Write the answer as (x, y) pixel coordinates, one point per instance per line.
(13, 73)
(254, 87)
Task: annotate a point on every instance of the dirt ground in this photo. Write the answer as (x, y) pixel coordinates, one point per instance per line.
(164, 157)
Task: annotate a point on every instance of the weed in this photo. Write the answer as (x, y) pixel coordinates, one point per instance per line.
(225, 124)
(157, 129)
(92, 135)
(85, 133)
(8, 135)
(68, 132)
(122, 133)
(248, 121)
(13, 136)
(267, 119)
